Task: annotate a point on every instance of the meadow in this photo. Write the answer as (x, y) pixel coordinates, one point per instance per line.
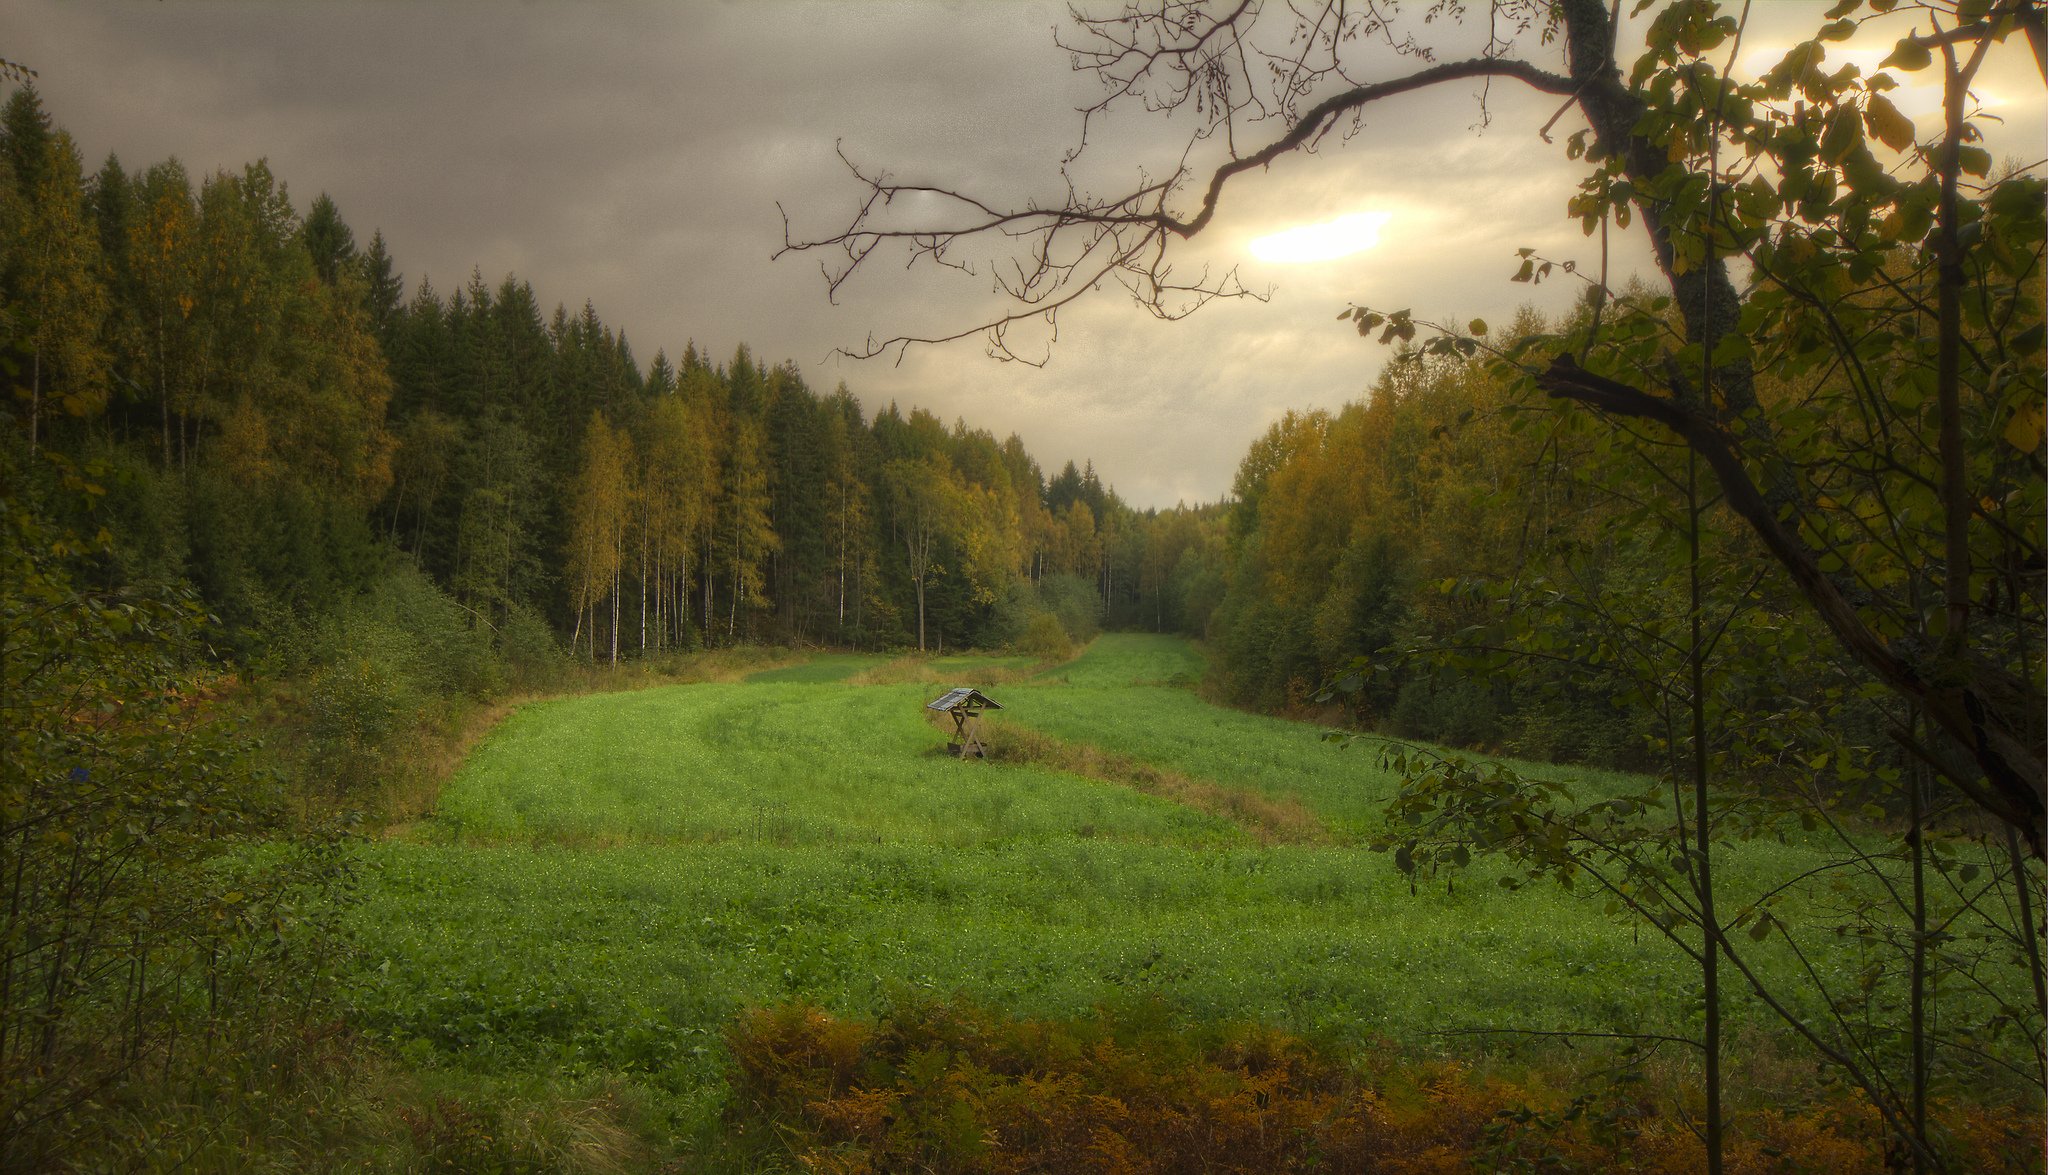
(610, 879)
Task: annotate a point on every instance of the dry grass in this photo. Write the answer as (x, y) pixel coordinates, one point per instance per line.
(1269, 821)
(413, 788)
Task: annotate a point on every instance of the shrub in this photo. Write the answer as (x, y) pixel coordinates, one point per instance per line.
(1073, 601)
(357, 704)
(531, 655)
(383, 657)
(1045, 639)
(1449, 709)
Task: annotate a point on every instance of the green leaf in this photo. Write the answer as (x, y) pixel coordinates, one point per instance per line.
(1909, 55)
(1841, 136)
(1760, 929)
(1477, 326)
(1404, 859)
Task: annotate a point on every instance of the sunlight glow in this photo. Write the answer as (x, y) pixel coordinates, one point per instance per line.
(1322, 242)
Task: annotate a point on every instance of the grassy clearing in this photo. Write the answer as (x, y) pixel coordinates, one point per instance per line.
(611, 878)
(781, 763)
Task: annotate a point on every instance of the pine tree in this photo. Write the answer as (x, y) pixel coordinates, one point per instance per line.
(113, 201)
(329, 240)
(385, 288)
(25, 138)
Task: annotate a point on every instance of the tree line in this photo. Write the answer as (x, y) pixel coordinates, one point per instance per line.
(283, 418)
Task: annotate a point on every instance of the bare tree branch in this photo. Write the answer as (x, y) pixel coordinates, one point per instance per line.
(1043, 258)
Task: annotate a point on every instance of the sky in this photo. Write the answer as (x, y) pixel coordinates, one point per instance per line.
(642, 156)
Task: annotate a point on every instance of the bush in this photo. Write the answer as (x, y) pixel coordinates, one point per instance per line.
(1045, 639)
(529, 651)
(1072, 600)
(357, 704)
(1010, 615)
(1447, 708)
(382, 658)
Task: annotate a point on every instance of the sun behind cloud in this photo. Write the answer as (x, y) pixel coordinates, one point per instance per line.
(1322, 242)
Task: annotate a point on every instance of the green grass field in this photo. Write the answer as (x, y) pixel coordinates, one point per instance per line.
(609, 878)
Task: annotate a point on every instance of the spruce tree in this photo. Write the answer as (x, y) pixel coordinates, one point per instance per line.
(329, 240)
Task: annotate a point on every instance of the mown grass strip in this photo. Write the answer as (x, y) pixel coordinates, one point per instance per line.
(1270, 820)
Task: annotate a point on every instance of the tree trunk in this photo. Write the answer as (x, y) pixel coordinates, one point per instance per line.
(1956, 497)
(35, 397)
(1917, 979)
(163, 387)
(1710, 955)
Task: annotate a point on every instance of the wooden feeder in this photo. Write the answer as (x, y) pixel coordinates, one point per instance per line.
(965, 704)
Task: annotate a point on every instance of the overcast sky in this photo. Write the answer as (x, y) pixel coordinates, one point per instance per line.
(634, 155)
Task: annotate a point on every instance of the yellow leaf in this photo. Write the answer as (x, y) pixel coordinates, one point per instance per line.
(1891, 127)
(2023, 431)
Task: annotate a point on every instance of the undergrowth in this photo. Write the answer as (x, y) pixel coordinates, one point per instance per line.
(950, 1087)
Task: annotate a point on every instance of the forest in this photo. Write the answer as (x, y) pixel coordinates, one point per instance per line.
(205, 342)
(301, 559)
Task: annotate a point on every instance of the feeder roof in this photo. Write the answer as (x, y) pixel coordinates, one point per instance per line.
(963, 698)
